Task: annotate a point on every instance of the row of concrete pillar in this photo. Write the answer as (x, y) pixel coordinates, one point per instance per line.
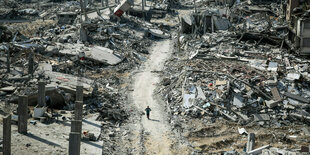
(22, 110)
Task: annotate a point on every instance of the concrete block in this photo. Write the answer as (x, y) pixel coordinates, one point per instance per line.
(275, 94)
(38, 112)
(251, 142)
(271, 103)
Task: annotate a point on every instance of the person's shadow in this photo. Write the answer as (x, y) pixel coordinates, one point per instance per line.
(154, 120)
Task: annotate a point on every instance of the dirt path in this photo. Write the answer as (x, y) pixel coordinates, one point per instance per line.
(155, 135)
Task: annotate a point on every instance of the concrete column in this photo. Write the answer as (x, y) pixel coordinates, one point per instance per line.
(78, 110)
(212, 24)
(41, 94)
(195, 6)
(79, 93)
(179, 43)
(22, 111)
(7, 105)
(30, 64)
(74, 143)
(83, 34)
(76, 126)
(204, 24)
(81, 4)
(107, 3)
(251, 142)
(84, 6)
(143, 9)
(7, 135)
(8, 61)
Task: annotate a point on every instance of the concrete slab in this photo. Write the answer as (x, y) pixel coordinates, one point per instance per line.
(66, 82)
(159, 33)
(188, 100)
(275, 94)
(200, 94)
(96, 53)
(103, 54)
(271, 103)
(261, 117)
(238, 101)
(8, 89)
(221, 23)
(188, 19)
(38, 112)
(273, 66)
(297, 97)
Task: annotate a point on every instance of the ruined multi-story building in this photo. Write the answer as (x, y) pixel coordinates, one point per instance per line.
(299, 25)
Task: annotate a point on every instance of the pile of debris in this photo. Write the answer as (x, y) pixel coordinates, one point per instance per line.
(67, 53)
(239, 76)
(244, 74)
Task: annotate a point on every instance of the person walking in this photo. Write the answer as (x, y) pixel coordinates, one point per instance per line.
(148, 110)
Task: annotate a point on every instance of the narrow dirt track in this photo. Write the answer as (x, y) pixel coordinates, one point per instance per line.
(156, 131)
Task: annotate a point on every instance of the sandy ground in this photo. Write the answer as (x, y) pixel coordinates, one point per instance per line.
(43, 139)
(155, 131)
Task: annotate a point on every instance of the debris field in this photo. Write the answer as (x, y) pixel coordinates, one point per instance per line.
(221, 77)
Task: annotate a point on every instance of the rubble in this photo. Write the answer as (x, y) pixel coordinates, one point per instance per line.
(238, 72)
(244, 71)
(52, 42)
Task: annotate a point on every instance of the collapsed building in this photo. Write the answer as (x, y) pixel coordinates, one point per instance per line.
(232, 85)
(201, 23)
(243, 74)
(298, 18)
(66, 17)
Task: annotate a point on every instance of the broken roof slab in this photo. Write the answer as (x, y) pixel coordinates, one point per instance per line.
(96, 53)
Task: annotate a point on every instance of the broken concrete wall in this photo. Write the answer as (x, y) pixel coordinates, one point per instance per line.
(299, 21)
(138, 12)
(57, 99)
(196, 23)
(187, 24)
(66, 17)
(303, 36)
(257, 2)
(292, 4)
(203, 23)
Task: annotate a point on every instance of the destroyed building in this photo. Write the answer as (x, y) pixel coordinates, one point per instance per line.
(220, 77)
(298, 19)
(201, 23)
(66, 17)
